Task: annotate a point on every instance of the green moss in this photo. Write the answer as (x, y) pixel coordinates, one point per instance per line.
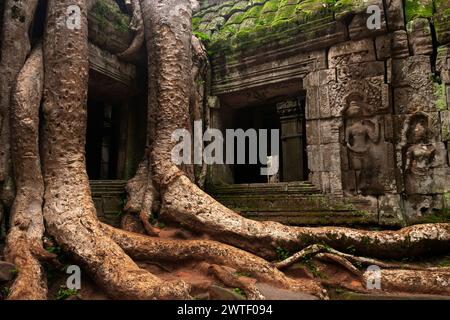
(286, 12)
(418, 9)
(271, 6)
(441, 99)
(196, 22)
(202, 37)
(109, 12)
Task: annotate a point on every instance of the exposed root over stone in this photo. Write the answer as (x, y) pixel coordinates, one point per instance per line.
(165, 250)
(188, 205)
(137, 25)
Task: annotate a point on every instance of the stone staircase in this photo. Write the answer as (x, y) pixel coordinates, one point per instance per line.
(108, 196)
(296, 203)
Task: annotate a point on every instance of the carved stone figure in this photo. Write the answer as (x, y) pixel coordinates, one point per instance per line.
(419, 157)
(361, 134)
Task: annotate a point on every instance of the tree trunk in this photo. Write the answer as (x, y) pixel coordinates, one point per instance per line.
(69, 210)
(17, 18)
(24, 242)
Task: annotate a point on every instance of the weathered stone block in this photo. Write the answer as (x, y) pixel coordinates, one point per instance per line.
(383, 46)
(312, 132)
(392, 45)
(349, 181)
(447, 90)
(418, 207)
(412, 71)
(98, 203)
(111, 205)
(445, 125)
(318, 102)
(312, 104)
(360, 71)
(326, 186)
(358, 26)
(330, 130)
(319, 78)
(420, 39)
(390, 210)
(441, 180)
(394, 14)
(414, 99)
(443, 63)
(316, 179)
(441, 20)
(388, 128)
(315, 162)
(351, 52)
(336, 183)
(440, 156)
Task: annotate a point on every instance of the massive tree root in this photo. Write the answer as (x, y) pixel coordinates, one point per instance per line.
(14, 50)
(24, 243)
(165, 250)
(160, 186)
(186, 204)
(69, 211)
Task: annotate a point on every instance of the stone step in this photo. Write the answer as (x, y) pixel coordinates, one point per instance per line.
(107, 187)
(297, 203)
(264, 188)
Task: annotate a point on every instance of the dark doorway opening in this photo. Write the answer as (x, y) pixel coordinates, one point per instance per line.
(260, 117)
(102, 143)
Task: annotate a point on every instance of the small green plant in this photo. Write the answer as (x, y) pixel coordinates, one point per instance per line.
(64, 293)
(282, 254)
(161, 225)
(239, 291)
(312, 268)
(4, 292)
(53, 249)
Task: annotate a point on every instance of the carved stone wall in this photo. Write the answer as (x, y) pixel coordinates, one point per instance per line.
(378, 120)
(377, 101)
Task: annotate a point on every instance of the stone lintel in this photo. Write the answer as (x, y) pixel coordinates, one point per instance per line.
(110, 66)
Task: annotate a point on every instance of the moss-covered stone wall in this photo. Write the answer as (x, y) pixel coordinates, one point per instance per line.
(234, 24)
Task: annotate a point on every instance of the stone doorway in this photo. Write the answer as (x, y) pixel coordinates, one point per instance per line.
(287, 117)
(102, 140)
(259, 117)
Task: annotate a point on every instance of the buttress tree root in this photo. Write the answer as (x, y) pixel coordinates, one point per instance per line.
(61, 195)
(14, 50)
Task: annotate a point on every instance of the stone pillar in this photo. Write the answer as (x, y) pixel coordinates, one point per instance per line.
(293, 148)
(218, 174)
